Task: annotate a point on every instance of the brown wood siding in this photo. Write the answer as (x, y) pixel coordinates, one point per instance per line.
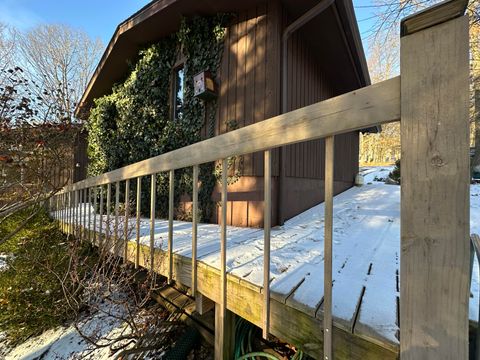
(249, 92)
(249, 76)
(309, 82)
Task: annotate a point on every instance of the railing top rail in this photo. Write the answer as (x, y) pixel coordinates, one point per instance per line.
(359, 109)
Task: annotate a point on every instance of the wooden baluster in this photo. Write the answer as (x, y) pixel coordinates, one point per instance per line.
(194, 229)
(224, 319)
(327, 248)
(95, 215)
(117, 205)
(100, 217)
(75, 216)
(78, 214)
(153, 193)
(84, 191)
(63, 211)
(71, 222)
(107, 225)
(69, 207)
(85, 233)
(267, 223)
(223, 238)
(89, 209)
(139, 199)
(170, 225)
(127, 210)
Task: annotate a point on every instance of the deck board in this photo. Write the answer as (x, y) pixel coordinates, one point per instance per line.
(365, 265)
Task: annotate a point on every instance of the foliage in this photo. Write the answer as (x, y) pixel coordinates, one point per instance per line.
(135, 121)
(395, 173)
(31, 295)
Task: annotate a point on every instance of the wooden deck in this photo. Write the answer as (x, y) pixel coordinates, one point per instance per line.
(365, 270)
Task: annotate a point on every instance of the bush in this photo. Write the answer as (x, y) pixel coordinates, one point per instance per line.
(395, 173)
(32, 296)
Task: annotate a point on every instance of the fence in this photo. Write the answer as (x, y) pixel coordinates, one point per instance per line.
(431, 100)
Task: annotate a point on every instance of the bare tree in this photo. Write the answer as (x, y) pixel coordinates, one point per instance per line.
(47, 70)
(7, 50)
(59, 59)
(383, 43)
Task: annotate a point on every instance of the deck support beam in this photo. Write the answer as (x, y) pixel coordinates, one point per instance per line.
(434, 268)
(224, 333)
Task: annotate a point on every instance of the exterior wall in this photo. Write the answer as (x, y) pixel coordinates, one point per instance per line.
(305, 162)
(250, 91)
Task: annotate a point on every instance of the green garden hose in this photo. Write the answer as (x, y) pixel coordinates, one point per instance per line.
(243, 344)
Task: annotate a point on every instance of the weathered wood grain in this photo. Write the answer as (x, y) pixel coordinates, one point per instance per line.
(363, 108)
(267, 223)
(435, 193)
(328, 247)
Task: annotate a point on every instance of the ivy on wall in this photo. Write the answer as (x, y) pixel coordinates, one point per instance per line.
(134, 122)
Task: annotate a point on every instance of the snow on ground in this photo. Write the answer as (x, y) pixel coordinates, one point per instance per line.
(3, 261)
(66, 343)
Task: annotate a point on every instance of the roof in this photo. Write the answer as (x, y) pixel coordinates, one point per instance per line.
(163, 17)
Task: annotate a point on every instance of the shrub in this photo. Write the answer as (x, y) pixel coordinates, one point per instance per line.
(395, 173)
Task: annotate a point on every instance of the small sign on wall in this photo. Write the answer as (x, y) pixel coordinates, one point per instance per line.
(204, 86)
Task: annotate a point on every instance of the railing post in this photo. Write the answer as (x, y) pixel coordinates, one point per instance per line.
(224, 319)
(328, 248)
(117, 206)
(434, 261)
(170, 226)
(194, 229)
(107, 225)
(267, 223)
(75, 214)
(139, 200)
(95, 215)
(89, 209)
(100, 217)
(84, 213)
(127, 213)
(69, 211)
(153, 193)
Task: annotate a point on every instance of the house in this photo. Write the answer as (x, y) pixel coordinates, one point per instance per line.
(24, 161)
(279, 55)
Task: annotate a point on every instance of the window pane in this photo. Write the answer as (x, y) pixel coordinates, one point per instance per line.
(179, 82)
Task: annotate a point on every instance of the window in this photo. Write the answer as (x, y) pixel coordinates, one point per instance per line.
(178, 92)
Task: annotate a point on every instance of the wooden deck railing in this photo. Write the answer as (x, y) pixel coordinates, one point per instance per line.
(432, 97)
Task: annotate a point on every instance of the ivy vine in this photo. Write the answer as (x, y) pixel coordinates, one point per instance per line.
(134, 122)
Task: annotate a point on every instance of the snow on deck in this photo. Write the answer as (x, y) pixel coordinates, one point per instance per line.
(366, 245)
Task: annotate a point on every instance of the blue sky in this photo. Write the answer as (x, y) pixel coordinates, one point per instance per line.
(99, 18)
